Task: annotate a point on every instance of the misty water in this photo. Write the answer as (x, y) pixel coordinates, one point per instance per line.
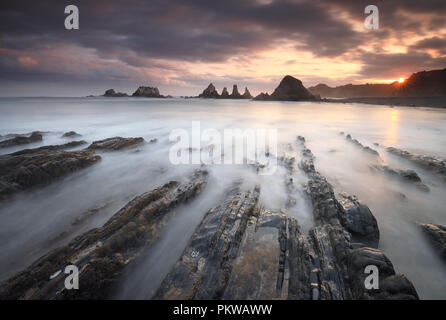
(34, 222)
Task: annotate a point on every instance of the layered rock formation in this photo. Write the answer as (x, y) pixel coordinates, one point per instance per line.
(147, 92)
(289, 89)
(211, 92)
(115, 143)
(409, 176)
(244, 251)
(360, 145)
(113, 93)
(21, 140)
(102, 254)
(433, 164)
(27, 168)
(436, 234)
(71, 134)
(31, 167)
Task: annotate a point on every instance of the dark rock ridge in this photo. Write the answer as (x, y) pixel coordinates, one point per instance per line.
(113, 93)
(102, 254)
(406, 175)
(115, 143)
(340, 238)
(27, 168)
(420, 84)
(433, 164)
(147, 92)
(289, 89)
(21, 140)
(360, 145)
(71, 134)
(31, 167)
(241, 250)
(437, 237)
(212, 93)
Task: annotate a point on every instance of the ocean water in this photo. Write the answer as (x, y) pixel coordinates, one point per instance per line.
(34, 222)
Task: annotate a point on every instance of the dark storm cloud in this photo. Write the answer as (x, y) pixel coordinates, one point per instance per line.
(138, 33)
(189, 30)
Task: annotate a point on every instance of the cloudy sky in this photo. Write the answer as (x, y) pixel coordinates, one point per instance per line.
(182, 45)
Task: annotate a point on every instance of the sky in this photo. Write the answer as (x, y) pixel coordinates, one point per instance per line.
(180, 46)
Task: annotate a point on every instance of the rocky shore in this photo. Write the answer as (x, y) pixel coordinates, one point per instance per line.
(28, 168)
(239, 250)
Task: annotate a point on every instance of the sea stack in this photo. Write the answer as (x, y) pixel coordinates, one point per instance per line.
(209, 92)
(289, 89)
(147, 92)
(235, 94)
(224, 93)
(247, 94)
(113, 93)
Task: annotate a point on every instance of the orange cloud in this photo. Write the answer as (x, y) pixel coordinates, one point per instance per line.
(27, 62)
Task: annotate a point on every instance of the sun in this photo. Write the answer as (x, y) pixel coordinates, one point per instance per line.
(401, 80)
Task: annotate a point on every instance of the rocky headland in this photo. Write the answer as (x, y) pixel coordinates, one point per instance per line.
(240, 249)
(289, 89)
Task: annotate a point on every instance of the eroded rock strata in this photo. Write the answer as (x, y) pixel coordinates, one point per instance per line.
(433, 164)
(244, 251)
(101, 254)
(436, 234)
(115, 143)
(31, 167)
(360, 145)
(21, 140)
(405, 175)
(337, 247)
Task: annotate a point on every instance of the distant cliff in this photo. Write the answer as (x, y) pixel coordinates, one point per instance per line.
(420, 84)
(289, 89)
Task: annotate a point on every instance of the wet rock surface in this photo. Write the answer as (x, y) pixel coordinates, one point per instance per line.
(437, 237)
(115, 143)
(244, 251)
(71, 134)
(406, 175)
(335, 252)
(204, 269)
(101, 254)
(31, 167)
(433, 164)
(349, 138)
(21, 140)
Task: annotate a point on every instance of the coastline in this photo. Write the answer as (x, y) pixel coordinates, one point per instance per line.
(426, 102)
